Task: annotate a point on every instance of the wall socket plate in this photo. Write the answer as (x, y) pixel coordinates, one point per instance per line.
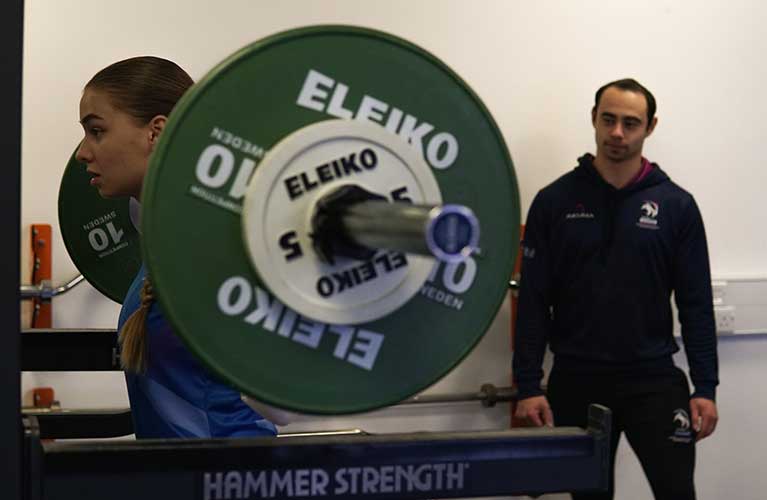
(725, 319)
(740, 306)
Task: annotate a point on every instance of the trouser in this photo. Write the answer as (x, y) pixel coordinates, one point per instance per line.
(654, 413)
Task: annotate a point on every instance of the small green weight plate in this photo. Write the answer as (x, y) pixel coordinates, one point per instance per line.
(192, 203)
(98, 233)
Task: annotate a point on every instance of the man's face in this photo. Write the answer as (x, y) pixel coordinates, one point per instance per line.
(620, 123)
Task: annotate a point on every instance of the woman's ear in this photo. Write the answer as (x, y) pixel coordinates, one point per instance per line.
(156, 126)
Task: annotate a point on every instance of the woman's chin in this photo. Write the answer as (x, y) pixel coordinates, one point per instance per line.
(108, 194)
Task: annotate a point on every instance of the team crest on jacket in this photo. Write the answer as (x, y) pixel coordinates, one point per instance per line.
(648, 217)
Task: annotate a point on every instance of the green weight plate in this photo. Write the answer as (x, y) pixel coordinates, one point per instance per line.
(98, 233)
(192, 203)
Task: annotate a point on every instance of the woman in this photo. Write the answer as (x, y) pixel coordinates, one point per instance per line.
(123, 111)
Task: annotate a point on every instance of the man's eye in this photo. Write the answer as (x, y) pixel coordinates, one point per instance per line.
(95, 131)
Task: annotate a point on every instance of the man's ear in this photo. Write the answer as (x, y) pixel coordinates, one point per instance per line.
(156, 126)
(652, 126)
(594, 116)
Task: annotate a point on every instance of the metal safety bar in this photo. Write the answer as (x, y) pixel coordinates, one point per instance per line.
(46, 290)
(488, 395)
(117, 422)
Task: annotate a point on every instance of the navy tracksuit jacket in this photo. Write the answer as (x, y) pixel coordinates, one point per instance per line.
(599, 267)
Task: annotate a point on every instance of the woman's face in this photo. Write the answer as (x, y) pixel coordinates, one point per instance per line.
(116, 147)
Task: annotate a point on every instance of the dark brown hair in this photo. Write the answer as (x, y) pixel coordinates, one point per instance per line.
(633, 86)
(143, 87)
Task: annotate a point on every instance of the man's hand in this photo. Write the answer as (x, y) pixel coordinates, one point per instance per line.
(704, 416)
(535, 410)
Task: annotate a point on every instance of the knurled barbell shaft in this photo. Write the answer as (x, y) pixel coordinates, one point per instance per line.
(405, 227)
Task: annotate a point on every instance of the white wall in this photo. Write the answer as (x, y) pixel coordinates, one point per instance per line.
(536, 66)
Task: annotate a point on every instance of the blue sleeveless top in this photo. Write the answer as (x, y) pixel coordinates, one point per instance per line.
(177, 397)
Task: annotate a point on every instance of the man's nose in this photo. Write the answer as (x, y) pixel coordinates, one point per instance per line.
(617, 130)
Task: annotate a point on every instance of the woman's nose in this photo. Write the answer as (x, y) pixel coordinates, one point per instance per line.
(83, 154)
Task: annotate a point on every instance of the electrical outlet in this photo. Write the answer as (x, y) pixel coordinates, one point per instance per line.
(725, 319)
(719, 289)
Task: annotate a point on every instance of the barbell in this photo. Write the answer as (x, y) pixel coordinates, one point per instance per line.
(311, 220)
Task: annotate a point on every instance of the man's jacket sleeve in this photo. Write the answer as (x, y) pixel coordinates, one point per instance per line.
(534, 314)
(694, 300)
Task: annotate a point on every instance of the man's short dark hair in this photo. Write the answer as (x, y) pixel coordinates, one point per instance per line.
(633, 86)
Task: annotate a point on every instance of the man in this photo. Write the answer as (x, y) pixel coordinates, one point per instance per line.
(605, 245)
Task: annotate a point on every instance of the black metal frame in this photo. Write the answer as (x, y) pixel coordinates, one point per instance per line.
(81, 424)
(69, 350)
(11, 45)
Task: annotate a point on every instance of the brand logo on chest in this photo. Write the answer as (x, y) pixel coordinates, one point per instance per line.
(648, 215)
(579, 213)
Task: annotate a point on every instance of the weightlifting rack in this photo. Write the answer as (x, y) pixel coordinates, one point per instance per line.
(403, 466)
(414, 465)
